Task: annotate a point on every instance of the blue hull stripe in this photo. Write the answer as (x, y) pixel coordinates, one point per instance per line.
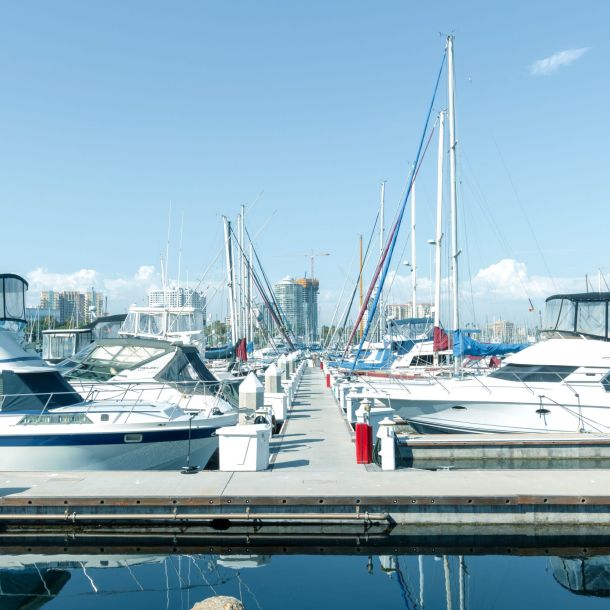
(109, 438)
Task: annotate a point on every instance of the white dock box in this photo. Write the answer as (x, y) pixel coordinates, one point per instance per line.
(244, 448)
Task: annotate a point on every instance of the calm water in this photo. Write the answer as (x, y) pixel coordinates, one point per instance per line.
(298, 581)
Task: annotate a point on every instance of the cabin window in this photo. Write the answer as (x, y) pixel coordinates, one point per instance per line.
(533, 373)
(54, 419)
(133, 438)
(423, 360)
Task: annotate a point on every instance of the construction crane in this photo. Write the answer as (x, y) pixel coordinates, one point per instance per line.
(312, 256)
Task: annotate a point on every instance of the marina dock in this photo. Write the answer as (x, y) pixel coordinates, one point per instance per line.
(313, 483)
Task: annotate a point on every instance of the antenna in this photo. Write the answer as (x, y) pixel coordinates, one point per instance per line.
(180, 249)
(169, 228)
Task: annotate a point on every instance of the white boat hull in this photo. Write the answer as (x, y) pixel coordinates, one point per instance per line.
(164, 455)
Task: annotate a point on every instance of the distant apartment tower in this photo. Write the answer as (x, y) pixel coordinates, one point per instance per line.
(177, 297)
(72, 307)
(289, 295)
(501, 331)
(311, 287)
(405, 310)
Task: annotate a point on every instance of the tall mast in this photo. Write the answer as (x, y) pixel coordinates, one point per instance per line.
(244, 276)
(361, 286)
(413, 253)
(250, 293)
(452, 185)
(230, 278)
(381, 249)
(438, 238)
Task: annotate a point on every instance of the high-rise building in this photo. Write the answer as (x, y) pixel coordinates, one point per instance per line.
(404, 311)
(311, 287)
(177, 297)
(501, 331)
(289, 295)
(72, 307)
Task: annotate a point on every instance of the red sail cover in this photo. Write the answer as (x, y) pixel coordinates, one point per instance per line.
(241, 351)
(441, 340)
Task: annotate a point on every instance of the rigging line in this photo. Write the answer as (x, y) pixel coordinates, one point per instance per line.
(345, 282)
(468, 260)
(486, 209)
(278, 310)
(133, 576)
(286, 332)
(385, 261)
(88, 577)
(343, 325)
(516, 193)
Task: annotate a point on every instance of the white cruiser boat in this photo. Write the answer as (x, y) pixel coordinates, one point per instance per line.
(561, 384)
(46, 425)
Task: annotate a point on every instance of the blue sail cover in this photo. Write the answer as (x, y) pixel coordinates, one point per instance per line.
(464, 345)
(219, 353)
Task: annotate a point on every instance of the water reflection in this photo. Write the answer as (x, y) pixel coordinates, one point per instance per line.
(401, 580)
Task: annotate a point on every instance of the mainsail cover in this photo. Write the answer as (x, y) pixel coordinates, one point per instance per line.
(464, 345)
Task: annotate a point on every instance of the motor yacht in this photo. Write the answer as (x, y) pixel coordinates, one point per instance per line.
(560, 384)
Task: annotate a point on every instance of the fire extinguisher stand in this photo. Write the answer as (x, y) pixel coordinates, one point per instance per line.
(364, 434)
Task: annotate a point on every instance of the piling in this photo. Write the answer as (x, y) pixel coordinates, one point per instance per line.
(251, 397)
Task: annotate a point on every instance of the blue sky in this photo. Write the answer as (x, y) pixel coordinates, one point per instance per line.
(110, 110)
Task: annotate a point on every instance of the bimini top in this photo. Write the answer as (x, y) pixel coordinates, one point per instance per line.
(583, 314)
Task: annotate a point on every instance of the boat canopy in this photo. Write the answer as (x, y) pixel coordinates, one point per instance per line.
(104, 359)
(581, 314)
(181, 323)
(22, 391)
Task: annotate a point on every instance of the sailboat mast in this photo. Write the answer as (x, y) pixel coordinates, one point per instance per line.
(230, 278)
(250, 296)
(243, 278)
(381, 249)
(413, 253)
(452, 184)
(438, 238)
(361, 287)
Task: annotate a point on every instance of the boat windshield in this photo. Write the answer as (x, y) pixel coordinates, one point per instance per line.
(583, 314)
(101, 362)
(529, 373)
(35, 391)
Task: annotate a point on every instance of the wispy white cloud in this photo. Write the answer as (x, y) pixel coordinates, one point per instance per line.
(548, 65)
(509, 280)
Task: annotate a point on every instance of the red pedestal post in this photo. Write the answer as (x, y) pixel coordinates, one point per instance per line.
(364, 444)
(328, 380)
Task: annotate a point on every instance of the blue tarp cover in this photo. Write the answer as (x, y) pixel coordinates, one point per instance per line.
(463, 345)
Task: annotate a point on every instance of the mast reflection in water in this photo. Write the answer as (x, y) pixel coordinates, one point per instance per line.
(304, 581)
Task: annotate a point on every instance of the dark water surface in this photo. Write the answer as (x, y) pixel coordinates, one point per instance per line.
(268, 582)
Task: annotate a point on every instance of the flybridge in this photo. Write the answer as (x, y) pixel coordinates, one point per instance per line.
(578, 314)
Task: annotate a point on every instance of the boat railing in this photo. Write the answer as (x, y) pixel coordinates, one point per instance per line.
(138, 392)
(48, 396)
